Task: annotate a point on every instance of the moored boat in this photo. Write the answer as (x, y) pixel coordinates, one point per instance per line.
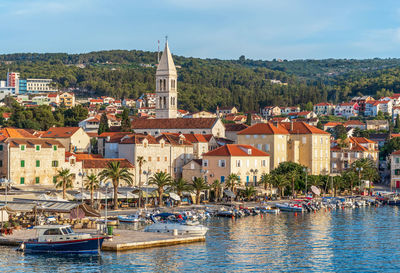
(289, 207)
(61, 239)
(169, 222)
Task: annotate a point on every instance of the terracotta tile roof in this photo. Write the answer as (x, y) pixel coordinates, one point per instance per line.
(348, 104)
(396, 152)
(195, 138)
(102, 163)
(362, 140)
(235, 127)
(31, 142)
(303, 128)
(394, 135)
(13, 132)
(115, 137)
(52, 95)
(324, 104)
(6, 115)
(175, 123)
(265, 129)
(60, 132)
(96, 100)
(84, 156)
(138, 139)
(333, 124)
(236, 150)
(353, 122)
(173, 139)
(303, 113)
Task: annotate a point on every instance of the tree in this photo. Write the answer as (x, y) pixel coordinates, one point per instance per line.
(280, 181)
(291, 176)
(337, 182)
(140, 161)
(64, 180)
(232, 181)
(199, 185)
(179, 186)
(339, 132)
(217, 188)
(116, 173)
(293, 171)
(372, 175)
(92, 183)
(249, 192)
(309, 106)
(125, 122)
(349, 176)
(391, 146)
(265, 180)
(160, 180)
(103, 126)
(366, 168)
(248, 119)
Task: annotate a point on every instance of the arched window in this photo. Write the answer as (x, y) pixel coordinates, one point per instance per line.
(165, 84)
(172, 84)
(161, 85)
(160, 104)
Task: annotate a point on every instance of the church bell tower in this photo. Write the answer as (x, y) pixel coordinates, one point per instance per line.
(166, 86)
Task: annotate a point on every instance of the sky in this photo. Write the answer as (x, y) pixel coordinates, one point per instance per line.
(224, 29)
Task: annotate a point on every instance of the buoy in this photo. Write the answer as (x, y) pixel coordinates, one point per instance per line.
(295, 214)
(261, 215)
(315, 211)
(233, 217)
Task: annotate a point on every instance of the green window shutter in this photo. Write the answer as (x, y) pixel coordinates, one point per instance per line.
(55, 147)
(22, 180)
(55, 163)
(54, 179)
(37, 148)
(22, 163)
(22, 147)
(1, 147)
(37, 180)
(37, 163)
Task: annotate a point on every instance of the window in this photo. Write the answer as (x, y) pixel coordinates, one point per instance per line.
(255, 136)
(53, 231)
(205, 163)
(37, 180)
(158, 159)
(149, 159)
(165, 159)
(255, 163)
(238, 163)
(397, 159)
(266, 147)
(222, 179)
(22, 163)
(22, 180)
(37, 147)
(37, 163)
(263, 163)
(304, 140)
(22, 147)
(247, 136)
(1, 147)
(248, 163)
(192, 166)
(221, 163)
(259, 146)
(334, 155)
(55, 147)
(54, 163)
(397, 171)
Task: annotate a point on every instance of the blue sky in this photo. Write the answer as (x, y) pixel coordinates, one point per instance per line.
(226, 29)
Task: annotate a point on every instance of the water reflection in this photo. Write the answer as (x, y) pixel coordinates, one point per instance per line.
(358, 240)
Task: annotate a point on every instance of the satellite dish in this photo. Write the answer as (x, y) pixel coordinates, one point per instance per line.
(315, 190)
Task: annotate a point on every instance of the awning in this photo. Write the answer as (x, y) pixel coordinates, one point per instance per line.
(127, 195)
(81, 196)
(229, 193)
(174, 196)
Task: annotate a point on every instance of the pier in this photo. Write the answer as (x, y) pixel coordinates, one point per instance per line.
(122, 240)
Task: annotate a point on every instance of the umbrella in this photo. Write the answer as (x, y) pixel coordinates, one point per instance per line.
(315, 190)
(229, 193)
(174, 196)
(81, 196)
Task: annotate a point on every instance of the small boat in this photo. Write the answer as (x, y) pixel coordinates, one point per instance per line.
(133, 218)
(168, 222)
(289, 207)
(61, 239)
(268, 209)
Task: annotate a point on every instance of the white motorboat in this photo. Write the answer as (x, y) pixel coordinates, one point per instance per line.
(168, 222)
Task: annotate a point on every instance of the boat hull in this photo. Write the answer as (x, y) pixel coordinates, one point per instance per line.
(85, 246)
(289, 208)
(181, 229)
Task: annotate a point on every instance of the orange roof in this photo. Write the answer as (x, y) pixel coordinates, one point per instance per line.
(138, 139)
(31, 142)
(303, 128)
(60, 132)
(12, 132)
(6, 115)
(114, 136)
(235, 127)
(333, 124)
(264, 129)
(348, 104)
(362, 140)
(195, 138)
(174, 123)
(396, 152)
(173, 139)
(102, 163)
(236, 150)
(394, 135)
(353, 122)
(324, 104)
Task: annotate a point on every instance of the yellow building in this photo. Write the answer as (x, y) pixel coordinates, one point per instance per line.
(67, 99)
(246, 161)
(291, 141)
(74, 139)
(268, 137)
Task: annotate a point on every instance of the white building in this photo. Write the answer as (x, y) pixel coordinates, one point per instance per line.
(39, 85)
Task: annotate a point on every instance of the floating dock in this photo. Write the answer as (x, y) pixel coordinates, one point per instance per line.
(121, 241)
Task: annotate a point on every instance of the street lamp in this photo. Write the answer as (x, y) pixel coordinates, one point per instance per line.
(82, 174)
(106, 185)
(359, 174)
(306, 170)
(6, 182)
(147, 173)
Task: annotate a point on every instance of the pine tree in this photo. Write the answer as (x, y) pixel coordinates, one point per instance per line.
(125, 123)
(103, 126)
(248, 119)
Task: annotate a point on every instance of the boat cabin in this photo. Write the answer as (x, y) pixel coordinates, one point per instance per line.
(55, 233)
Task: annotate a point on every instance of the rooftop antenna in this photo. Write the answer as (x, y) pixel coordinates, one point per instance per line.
(158, 52)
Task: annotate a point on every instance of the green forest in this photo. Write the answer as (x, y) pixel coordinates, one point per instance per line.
(205, 83)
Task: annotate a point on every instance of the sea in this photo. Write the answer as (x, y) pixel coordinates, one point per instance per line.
(343, 240)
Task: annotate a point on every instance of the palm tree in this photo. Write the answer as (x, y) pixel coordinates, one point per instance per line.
(349, 177)
(372, 175)
(232, 181)
(140, 161)
(178, 186)
(265, 180)
(161, 180)
(280, 181)
(92, 183)
(292, 175)
(64, 180)
(217, 187)
(116, 174)
(337, 183)
(249, 192)
(199, 185)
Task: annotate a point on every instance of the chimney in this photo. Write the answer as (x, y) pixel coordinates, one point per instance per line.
(275, 123)
(291, 125)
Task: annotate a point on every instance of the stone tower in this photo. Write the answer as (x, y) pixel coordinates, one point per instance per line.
(166, 86)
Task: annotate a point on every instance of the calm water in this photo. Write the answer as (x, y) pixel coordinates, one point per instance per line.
(359, 240)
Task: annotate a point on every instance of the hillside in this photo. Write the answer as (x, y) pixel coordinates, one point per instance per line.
(206, 83)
